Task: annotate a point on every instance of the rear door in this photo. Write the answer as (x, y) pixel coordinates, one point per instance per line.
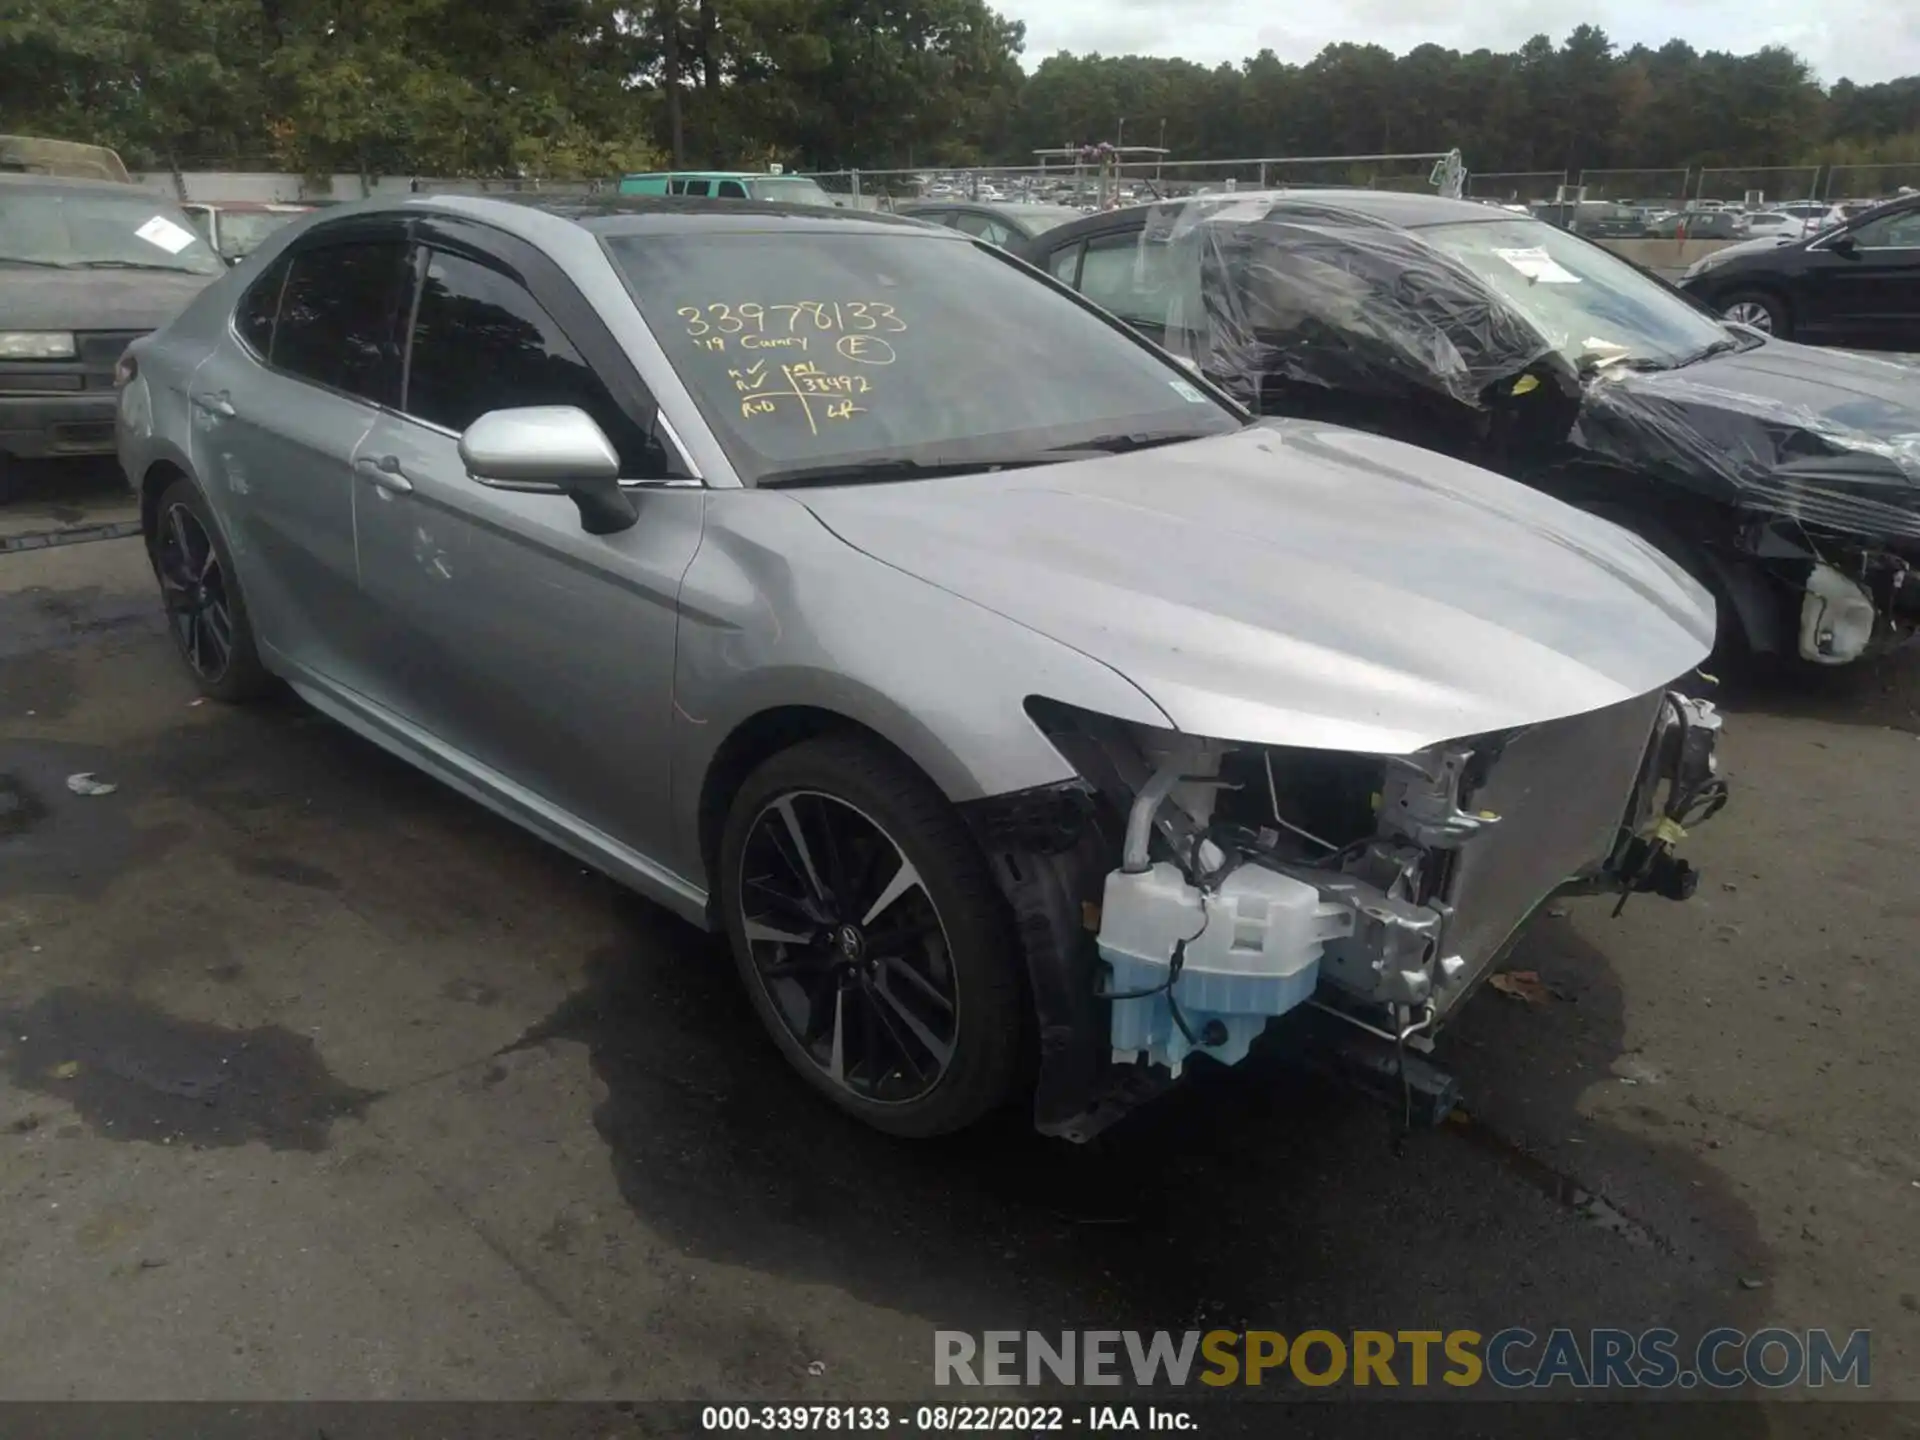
(511, 636)
(280, 407)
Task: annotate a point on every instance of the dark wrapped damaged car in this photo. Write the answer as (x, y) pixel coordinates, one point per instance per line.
(1786, 479)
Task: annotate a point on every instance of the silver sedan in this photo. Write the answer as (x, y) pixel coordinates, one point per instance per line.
(1029, 719)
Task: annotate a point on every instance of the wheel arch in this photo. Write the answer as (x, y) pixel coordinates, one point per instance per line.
(1763, 285)
(749, 745)
(154, 481)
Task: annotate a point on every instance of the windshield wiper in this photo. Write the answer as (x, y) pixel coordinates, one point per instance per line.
(1718, 347)
(856, 471)
(1120, 444)
(37, 264)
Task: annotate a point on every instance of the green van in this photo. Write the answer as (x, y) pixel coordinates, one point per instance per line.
(729, 185)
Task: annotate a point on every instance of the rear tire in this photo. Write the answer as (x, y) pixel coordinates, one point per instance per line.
(871, 937)
(206, 610)
(1761, 309)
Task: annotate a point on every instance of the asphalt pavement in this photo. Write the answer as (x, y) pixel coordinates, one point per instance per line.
(319, 1081)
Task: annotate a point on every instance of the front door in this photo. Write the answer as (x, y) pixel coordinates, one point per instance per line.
(1876, 288)
(511, 636)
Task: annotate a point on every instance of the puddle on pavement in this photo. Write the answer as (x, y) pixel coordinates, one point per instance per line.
(132, 1072)
(1556, 1185)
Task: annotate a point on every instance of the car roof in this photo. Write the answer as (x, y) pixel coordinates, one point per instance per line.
(669, 214)
(1406, 211)
(29, 180)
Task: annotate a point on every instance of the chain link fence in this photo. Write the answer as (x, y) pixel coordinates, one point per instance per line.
(1774, 184)
(1091, 184)
(1666, 189)
(1516, 187)
(1869, 182)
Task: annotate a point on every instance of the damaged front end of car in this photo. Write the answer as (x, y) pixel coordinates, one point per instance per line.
(1826, 505)
(1186, 893)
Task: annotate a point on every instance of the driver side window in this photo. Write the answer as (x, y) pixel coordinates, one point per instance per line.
(481, 342)
(1890, 232)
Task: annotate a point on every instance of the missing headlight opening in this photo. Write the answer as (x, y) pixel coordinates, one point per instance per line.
(1243, 883)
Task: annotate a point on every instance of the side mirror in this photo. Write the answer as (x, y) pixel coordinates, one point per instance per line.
(1843, 245)
(551, 450)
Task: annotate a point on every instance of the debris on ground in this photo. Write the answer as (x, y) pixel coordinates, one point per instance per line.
(1522, 985)
(816, 1367)
(85, 784)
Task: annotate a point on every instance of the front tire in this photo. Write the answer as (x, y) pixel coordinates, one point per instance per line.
(1761, 309)
(206, 611)
(871, 938)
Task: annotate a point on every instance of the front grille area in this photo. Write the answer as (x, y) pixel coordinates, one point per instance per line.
(100, 351)
(1561, 789)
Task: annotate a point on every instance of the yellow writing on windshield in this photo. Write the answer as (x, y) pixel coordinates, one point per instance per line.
(796, 320)
(766, 389)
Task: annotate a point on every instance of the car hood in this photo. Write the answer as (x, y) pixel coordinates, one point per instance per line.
(1302, 584)
(34, 299)
(1825, 436)
(1764, 244)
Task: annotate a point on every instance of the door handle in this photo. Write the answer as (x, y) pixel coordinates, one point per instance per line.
(215, 404)
(384, 471)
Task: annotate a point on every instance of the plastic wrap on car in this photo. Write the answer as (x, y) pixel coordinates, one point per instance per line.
(1757, 453)
(1323, 313)
(1331, 299)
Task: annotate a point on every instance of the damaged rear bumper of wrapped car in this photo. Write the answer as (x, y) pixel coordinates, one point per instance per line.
(1190, 896)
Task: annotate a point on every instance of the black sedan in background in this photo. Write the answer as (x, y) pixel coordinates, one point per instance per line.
(1855, 285)
(1785, 478)
(1003, 225)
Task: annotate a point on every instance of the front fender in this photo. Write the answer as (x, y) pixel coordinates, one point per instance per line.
(776, 612)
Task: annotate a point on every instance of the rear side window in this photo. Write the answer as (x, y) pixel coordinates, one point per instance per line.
(1132, 279)
(481, 342)
(253, 317)
(992, 231)
(337, 318)
(732, 190)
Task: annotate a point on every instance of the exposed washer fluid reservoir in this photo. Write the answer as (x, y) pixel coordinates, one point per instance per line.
(1252, 952)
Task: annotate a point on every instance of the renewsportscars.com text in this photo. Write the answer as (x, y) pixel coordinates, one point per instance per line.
(1510, 1359)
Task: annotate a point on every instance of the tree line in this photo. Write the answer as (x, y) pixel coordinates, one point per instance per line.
(577, 88)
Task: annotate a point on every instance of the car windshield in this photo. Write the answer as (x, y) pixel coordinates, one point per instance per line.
(789, 190)
(830, 357)
(95, 230)
(1588, 303)
(242, 230)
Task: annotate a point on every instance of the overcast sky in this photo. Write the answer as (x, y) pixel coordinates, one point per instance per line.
(1861, 40)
